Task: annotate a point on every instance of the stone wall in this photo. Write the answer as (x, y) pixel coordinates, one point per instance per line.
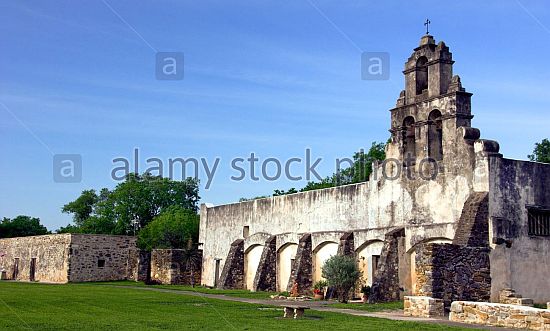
(99, 257)
(503, 315)
(509, 296)
(385, 287)
(266, 276)
(423, 307)
(232, 276)
(302, 268)
(451, 272)
(50, 251)
(175, 266)
(346, 245)
(139, 265)
(473, 225)
(62, 258)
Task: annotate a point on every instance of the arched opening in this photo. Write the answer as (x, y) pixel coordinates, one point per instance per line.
(320, 254)
(285, 256)
(435, 135)
(409, 140)
(251, 262)
(421, 75)
(368, 256)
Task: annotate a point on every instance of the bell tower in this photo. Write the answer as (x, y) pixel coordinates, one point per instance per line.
(430, 110)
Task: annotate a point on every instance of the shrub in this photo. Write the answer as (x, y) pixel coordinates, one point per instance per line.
(171, 229)
(342, 273)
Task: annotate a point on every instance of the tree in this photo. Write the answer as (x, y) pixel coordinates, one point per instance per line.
(174, 228)
(342, 273)
(131, 205)
(541, 152)
(283, 192)
(21, 226)
(82, 207)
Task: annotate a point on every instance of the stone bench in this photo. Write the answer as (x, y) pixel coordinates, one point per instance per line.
(294, 311)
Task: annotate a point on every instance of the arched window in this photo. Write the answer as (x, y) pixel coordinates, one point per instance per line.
(435, 136)
(409, 139)
(421, 75)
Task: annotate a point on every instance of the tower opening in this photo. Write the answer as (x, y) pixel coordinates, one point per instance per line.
(421, 75)
(435, 135)
(409, 140)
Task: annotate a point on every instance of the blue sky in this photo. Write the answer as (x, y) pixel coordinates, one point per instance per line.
(273, 78)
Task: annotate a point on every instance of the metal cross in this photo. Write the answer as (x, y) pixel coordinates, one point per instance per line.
(427, 24)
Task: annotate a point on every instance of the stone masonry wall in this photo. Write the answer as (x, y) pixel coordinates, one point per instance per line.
(473, 225)
(171, 266)
(266, 275)
(50, 251)
(232, 276)
(423, 307)
(452, 272)
(188, 270)
(385, 287)
(503, 315)
(99, 257)
(161, 263)
(346, 245)
(139, 265)
(302, 268)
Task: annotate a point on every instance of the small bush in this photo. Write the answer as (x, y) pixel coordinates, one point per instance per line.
(342, 273)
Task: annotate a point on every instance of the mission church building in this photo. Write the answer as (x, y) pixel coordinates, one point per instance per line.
(475, 225)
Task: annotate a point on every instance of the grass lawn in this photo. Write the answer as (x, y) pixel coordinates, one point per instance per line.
(200, 289)
(96, 307)
(370, 307)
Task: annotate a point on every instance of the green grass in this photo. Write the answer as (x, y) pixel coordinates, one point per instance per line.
(96, 307)
(199, 289)
(370, 307)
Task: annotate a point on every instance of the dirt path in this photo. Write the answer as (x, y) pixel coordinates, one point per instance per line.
(396, 315)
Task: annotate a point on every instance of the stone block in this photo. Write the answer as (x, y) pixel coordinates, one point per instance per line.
(420, 306)
(499, 314)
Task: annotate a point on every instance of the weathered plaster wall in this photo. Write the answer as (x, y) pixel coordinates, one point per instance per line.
(425, 207)
(51, 253)
(518, 261)
(86, 252)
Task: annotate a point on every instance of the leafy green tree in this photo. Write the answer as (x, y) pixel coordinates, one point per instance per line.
(342, 273)
(171, 229)
(131, 205)
(21, 226)
(283, 192)
(83, 207)
(541, 152)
